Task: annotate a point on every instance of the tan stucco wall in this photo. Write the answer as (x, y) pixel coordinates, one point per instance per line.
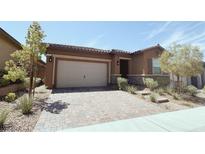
(6, 48)
(41, 71)
(115, 69)
(140, 61)
(155, 53)
(137, 64)
(49, 73)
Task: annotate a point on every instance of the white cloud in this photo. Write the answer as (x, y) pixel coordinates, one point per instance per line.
(195, 26)
(173, 38)
(187, 35)
(94, 42)
(159, 30)
(193, 38)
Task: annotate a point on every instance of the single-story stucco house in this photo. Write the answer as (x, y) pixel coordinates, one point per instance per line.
(76, 66)
(8, 45)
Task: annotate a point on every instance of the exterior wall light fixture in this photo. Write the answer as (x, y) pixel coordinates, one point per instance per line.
(50, 59)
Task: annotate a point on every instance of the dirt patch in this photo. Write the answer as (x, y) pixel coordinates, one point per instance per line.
(184, 102)
(168, 106)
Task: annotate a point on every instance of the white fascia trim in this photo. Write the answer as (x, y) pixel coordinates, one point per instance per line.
(125, 58)
(109, 72)
(54, 65)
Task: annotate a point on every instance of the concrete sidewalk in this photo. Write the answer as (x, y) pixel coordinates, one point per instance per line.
(190, 120)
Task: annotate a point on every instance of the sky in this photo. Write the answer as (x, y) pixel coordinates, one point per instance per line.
(129, 36)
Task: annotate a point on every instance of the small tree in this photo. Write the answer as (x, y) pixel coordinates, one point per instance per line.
(34, 44)
(182, 61)
(18, 67)
(24, 62)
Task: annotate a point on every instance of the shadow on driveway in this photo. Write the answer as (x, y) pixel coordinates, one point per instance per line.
(55, 107)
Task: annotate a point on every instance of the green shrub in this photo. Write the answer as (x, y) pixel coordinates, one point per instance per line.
(176, 96)
(10, 97)
(26, 104)
(4, 82)
(3, 116)
(192, 90)
(122, 83)
(14, 73)
(150, 83)
(169, 91)
(153, 97)
(131, 89)
(160, 91)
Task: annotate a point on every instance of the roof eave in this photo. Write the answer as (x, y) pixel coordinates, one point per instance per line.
(12, 39)
(147, 49)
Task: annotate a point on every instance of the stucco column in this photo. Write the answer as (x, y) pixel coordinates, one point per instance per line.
(115, 65)
(130, 67)
(115, 68)
(49, 71)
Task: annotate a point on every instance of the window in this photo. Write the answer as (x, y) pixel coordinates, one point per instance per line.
(156, 66)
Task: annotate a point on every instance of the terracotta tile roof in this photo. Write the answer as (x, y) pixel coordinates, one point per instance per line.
(114, 51)
(146, 49)
(76, 48)
(3, 32)
(53, 46)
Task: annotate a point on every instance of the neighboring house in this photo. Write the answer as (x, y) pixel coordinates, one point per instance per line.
(75, 66)
(198, 80)
(7, 46)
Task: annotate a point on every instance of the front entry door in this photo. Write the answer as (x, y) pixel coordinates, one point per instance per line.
(124, 68)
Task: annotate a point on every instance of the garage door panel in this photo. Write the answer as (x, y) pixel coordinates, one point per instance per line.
(81, 74)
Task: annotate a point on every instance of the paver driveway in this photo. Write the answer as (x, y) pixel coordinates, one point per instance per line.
(91, 107)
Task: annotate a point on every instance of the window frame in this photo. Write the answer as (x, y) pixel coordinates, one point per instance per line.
(154, 67)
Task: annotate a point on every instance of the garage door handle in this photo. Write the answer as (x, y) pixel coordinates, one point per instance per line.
(84, 76)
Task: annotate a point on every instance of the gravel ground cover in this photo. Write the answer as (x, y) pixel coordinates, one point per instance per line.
(18, 122)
